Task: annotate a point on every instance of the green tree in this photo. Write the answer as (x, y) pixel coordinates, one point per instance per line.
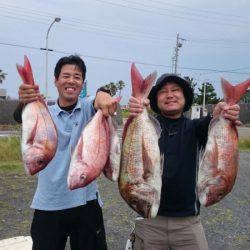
(246, 97)
(2, 76)
(114, 87)
(120, 85)
(210, 94)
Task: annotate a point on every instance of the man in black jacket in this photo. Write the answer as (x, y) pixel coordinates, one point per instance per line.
(177, 225)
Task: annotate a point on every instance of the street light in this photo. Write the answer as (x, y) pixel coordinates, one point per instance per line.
(57, 19)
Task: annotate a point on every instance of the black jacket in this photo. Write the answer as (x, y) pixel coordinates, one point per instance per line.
(180, 142)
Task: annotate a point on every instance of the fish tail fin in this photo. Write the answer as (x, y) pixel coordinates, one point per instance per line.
(22, 73)
(148, 84)
(232, 94)
(137, 81)
(28, 69)
(141, 87)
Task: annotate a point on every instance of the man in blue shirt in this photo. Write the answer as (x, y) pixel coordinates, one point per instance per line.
(61, 213)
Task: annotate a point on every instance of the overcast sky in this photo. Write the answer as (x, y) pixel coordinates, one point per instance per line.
(110, 34)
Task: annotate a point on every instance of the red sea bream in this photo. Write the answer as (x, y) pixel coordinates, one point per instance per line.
(219, 164)
(39, 134)
(91, 153)
(141, 168)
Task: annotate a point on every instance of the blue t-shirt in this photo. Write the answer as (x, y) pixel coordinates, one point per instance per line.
(52, 192)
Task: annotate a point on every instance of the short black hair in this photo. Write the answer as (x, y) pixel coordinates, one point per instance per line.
(73, 60)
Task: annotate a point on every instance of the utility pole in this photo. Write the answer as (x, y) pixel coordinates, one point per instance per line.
(176, 52)
(204, 99)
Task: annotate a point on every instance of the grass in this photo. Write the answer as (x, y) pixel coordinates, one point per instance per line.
(244, 144)
(16, 127)
(10, 149)
(10, 166)
(125, 113)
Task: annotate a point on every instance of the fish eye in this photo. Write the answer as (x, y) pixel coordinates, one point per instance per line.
(40, 162)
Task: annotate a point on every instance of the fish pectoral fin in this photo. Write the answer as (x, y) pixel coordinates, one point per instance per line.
(32, 135)
(147, 161)
(214, 155)
(80, 149)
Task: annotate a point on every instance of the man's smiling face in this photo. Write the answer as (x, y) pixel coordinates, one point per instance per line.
(69, 84)
(171, 100)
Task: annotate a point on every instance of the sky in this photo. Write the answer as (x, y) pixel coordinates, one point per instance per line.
(111, 34)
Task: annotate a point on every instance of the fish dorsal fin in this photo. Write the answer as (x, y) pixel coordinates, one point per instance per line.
(30, 139)
(232, 94)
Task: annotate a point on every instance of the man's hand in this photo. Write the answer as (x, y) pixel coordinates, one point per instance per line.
(229, 112)
(136, 105)
(106, 103)
(28, 93)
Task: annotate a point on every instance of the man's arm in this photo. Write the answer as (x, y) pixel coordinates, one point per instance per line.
(18, 113)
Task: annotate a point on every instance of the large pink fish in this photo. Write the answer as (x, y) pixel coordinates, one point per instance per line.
(141, 168)
(39, 134)
(91, 152)
(219, 164)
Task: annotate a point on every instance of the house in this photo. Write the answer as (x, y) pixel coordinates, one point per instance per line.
(3, 94)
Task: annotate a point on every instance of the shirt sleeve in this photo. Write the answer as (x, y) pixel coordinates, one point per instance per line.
(202, 126)
(18, 114)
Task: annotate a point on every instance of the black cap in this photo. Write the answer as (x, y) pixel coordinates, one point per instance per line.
(166, 78)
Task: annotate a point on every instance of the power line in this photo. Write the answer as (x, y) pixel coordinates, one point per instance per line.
(196, 10)
(104, 29)
(128, 61)
(197, 13)
(193, 18)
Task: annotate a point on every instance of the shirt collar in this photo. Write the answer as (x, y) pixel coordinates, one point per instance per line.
(58, 110)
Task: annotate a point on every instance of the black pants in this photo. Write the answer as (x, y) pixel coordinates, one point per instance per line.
(83, 224)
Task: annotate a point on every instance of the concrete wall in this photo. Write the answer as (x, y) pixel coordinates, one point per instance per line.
(244, 112)
(7, 108)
